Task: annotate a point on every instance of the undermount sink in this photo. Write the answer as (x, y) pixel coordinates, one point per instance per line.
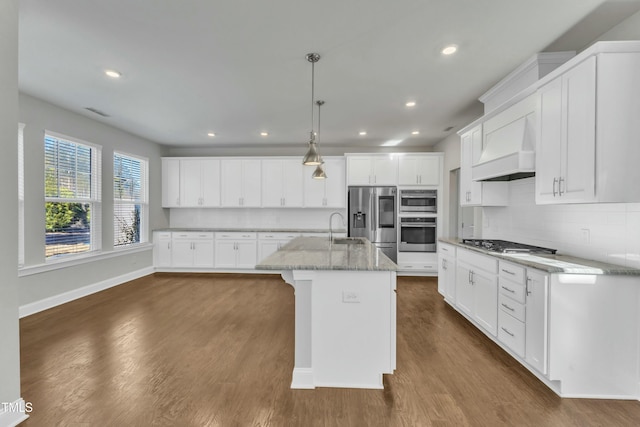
(347, 241)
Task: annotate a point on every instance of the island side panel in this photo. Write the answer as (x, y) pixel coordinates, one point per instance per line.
(353, 328)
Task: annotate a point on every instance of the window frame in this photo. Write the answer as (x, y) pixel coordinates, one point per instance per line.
(143, 201)
(95, 199)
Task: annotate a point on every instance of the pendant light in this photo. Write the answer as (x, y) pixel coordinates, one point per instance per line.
(312, 158)
(319, 172)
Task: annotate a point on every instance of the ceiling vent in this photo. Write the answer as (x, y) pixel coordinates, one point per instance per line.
(98, 112)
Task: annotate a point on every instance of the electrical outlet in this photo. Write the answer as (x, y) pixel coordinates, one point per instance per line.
(585, 235)
(350, 296)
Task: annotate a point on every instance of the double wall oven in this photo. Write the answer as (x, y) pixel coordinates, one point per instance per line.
(417, 224)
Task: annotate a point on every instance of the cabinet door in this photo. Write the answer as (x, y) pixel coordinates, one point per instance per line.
(408, 167)
(182, 253)
(335, 185)
(225, 254)
(190, 186)
(210, 182)
(267, 247)
(536, 320)
(314, 189)
(293, 185)
(470, 150)
(428, 170)
(464, 289)
(579, 91)
(385, 170)
(203, 253)
(475, 188)
(246, 254)
(273, 183)
(162, 252)
(485, 287)
(549, 141)
(359, 170)
(170, 183)
(442, 276)
(251, 184)
(231, 182)
(449, 265)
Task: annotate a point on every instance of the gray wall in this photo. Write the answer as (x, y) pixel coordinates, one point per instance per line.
(38, 116)
(298, 150)
(9, 338)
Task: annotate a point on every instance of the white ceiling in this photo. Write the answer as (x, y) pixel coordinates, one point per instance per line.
(238, 67)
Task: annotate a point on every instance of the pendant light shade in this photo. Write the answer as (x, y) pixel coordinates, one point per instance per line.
(312, 158)
(319, 173)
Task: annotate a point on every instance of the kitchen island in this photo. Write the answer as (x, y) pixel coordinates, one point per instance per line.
(345, 321)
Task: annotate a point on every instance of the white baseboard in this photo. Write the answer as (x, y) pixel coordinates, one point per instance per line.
(13, 413)
(53, 301)
(302, 378)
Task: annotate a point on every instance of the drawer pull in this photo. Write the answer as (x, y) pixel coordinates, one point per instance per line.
(507, 331)
(507, 307)
(508, 289)
(508, 272)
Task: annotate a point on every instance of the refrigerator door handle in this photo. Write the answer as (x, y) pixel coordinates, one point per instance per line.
(373, 200)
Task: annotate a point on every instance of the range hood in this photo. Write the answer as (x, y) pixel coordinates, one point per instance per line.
(508, 153)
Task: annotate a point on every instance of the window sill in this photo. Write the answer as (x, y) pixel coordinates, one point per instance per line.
(83, 259)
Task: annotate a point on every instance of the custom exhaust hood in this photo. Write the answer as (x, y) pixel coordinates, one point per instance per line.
(508, 153)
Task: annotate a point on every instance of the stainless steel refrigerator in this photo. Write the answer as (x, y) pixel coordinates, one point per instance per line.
(372, 214)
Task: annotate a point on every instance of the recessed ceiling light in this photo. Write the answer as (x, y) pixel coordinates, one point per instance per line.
(415, 132)
(211, 134)
(450, 50)
(362, 133)
(264, 133)
(410, 104)
(392, 143)
(113, 74)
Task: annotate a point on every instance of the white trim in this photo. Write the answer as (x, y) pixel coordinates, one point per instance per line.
(214, 270)
(72, 139)
(82, 259)
(11, 419)
(53, 301)
(302, 379)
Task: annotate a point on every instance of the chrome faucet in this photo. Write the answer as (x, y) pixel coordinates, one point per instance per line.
(344, 223)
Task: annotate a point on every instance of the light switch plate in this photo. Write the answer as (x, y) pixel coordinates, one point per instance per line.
(350, 296)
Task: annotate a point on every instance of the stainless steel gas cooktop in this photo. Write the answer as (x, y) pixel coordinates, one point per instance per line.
(506, 247)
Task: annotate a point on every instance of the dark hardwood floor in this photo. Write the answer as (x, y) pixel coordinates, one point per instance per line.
(217, 350)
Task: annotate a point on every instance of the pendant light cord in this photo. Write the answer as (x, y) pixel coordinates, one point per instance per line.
(312, 95)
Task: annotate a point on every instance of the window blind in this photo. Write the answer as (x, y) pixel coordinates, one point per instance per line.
(130, 181)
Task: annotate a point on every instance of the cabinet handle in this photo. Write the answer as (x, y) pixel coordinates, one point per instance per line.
(527, 286)
(509, 272)
(507, 331)
(507, 307)
(555, 180)
(168, 245)
(560, 186)
(444, 264)
(508, 289)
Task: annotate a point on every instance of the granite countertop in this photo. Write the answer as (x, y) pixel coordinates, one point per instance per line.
(557, 263)
(256, 230)
(317, 253)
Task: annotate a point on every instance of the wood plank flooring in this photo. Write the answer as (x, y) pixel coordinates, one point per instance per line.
(217, 350)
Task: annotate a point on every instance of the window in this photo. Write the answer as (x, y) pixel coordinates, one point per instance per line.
(72, 196)
(130, 200)
(20, 194)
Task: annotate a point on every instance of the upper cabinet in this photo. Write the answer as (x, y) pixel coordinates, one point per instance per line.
(170, 183)
(473, 193)
(419, 169)
(372, 170)
(199, 183)
(329, 192)
(241, 183)
(282, 182)
(587, 149)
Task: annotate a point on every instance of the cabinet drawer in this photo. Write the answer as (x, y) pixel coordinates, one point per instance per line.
(511, 332)
(157, 235)
(277, 236)
(511, 271)
(446, 249)
(403, 266)
(236, 235)
(512, 307)
(511, 289)
(485, 262)
(192, 235)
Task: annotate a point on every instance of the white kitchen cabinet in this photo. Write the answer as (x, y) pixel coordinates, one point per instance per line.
(269, 243)
(329, 192)
(372, 170)
(447, 271)
(537, 292)
(419, 169)
(565, 152)
(477, 288)
(170, 182)
(192, 249)
(241, 182)
(282, 184)
(162, 248)
(199, 182)
(473, 193)
(236, 250)
(419, 262)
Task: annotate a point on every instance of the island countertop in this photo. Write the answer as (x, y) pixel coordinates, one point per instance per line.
(318, 253)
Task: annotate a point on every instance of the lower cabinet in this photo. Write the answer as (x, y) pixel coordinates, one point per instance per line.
(420, 262)
(536, 333)
(269, 243)
(192, 249)
(236, 250)
(162, 248)
(447, 271)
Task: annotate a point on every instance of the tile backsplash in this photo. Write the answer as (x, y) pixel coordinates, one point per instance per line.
(608, 232)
